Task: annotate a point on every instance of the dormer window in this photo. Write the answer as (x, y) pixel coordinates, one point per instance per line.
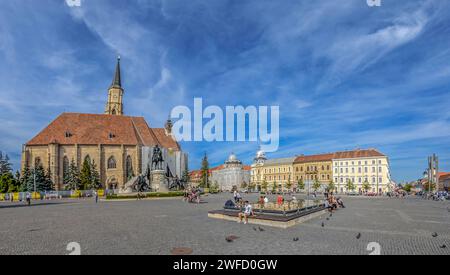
(111, 136)
(68, 134)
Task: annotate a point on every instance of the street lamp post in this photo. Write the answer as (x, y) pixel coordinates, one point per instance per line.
(34, 178)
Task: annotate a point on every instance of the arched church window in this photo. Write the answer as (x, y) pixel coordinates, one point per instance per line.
(65, 166)
(112, 163)
(87, 159)
(37, 162)
(129, 171)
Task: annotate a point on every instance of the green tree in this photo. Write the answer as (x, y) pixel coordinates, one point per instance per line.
(301, 184)
(204, 180)
(407, 187)
(95, 183)
(186, 177)
(5, 165)
(316, 185)
(24, 179)
(331, 186)
(251, 186)
(85, 175)
(274, 187)
(7, 181)
(244, 185)
(289, 184)
(38, 180)
(214, 187)
(350, 185)
(426, 186)
(264, 185)
(72, 177)
(366, 186)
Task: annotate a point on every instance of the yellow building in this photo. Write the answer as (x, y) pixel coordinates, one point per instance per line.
(117, 144)
(315, 167)
(276, 172)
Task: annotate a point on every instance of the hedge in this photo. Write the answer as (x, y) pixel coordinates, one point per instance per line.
(146, 195)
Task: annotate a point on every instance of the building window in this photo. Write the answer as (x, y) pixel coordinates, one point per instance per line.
(112, 163)
(129, 170)
(366, 170)
(373, 170)
(37, 162)
(380, 180)
(87, 159)
(66, 165)
(380, 169)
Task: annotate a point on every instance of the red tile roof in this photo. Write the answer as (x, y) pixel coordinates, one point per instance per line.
(339, 155)
(95, 129)
(358, 154)
(443, 175)
(314, 158)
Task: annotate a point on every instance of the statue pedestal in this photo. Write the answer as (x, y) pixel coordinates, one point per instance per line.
(158, 181)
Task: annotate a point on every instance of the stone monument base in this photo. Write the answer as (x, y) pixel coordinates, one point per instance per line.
(158, 181)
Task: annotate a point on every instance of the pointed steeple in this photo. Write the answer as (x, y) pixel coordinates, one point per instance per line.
(117, 81)
(114, 105)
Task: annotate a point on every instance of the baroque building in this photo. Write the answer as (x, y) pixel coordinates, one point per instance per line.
(121, 146)
(360, 166)
(232, 175)
(315, 167)
(357, 166)
(278, 172)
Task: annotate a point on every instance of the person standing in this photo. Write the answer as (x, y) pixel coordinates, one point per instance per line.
(96, 197)
(28, 198)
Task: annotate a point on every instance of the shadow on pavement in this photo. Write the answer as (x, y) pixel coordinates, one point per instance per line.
(32, 205)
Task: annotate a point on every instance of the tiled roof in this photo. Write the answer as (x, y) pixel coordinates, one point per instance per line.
(358, 154)
(443, 175)
(280, 161)
(95, 129)
(314, 158)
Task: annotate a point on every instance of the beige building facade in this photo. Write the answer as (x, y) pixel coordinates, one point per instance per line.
(360, 166)
(316, 167)
(278, 172)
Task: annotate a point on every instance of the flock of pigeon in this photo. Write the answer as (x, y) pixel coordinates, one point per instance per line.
(232, 238)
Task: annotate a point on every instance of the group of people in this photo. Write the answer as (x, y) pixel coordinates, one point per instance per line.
(438, 196)
(192, 195)
(332, 203)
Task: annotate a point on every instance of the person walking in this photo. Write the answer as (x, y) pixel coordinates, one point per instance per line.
(96, 197)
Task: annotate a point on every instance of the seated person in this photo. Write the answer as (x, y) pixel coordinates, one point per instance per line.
(248, 211)
(340, 202)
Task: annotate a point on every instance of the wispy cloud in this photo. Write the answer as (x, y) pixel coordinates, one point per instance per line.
(344, 75)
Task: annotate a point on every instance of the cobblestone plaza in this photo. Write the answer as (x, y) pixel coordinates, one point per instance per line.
(400, 226)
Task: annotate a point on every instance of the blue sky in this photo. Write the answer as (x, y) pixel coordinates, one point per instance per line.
(344, 75)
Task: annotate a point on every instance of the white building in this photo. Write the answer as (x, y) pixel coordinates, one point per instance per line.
(233, 174)
(360, 166)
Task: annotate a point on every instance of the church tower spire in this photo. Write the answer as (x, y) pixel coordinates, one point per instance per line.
(114, 106)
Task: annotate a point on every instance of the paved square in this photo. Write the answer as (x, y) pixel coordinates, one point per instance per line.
(158, 226)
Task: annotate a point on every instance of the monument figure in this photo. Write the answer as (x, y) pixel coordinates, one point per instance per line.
(157, 158)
